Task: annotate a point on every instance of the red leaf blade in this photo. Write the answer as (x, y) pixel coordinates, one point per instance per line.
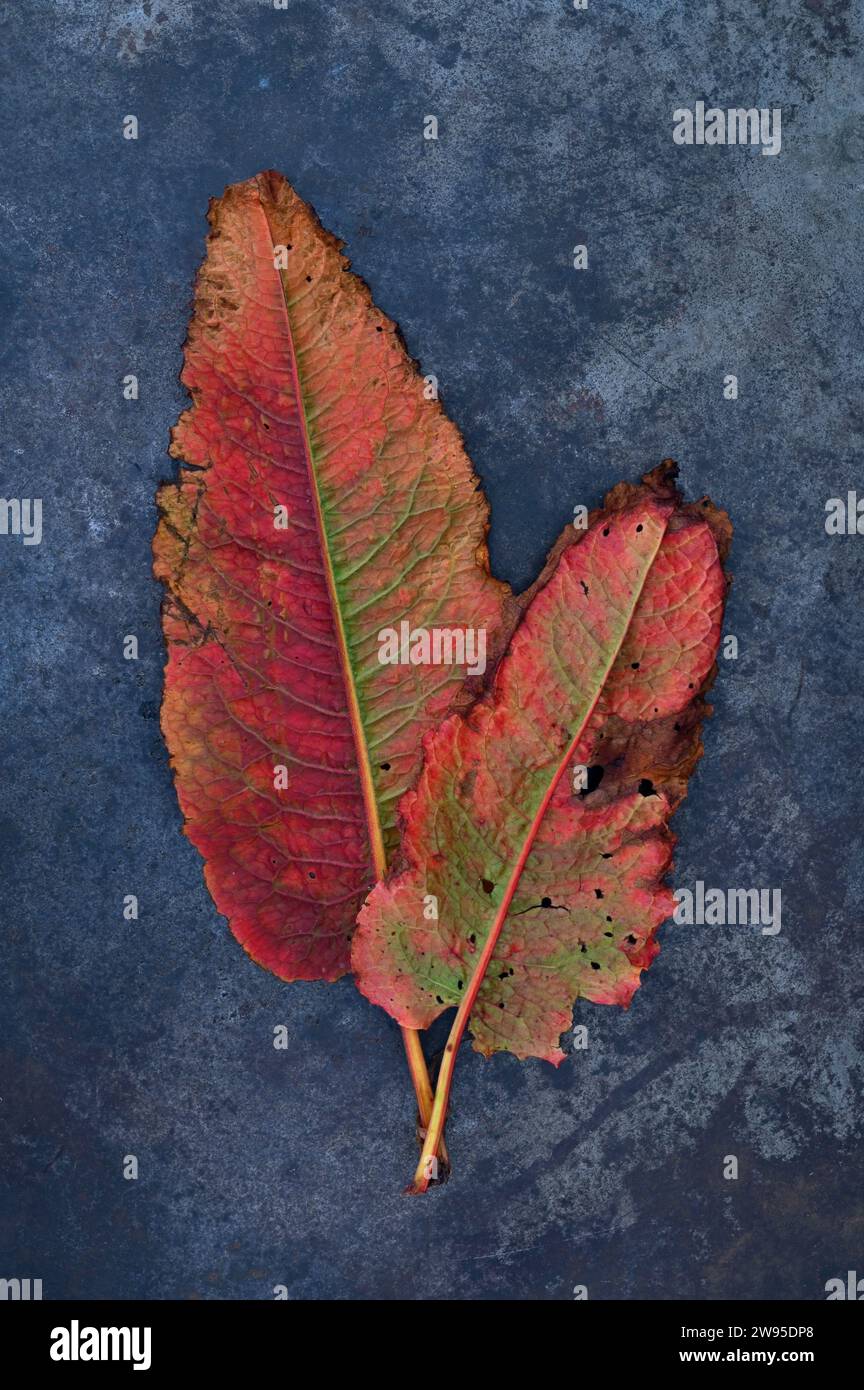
(609, 660)
(304, 400)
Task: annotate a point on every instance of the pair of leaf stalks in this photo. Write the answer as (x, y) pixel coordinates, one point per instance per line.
(500, 841)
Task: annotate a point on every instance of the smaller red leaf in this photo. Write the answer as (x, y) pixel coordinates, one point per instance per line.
(546, 891)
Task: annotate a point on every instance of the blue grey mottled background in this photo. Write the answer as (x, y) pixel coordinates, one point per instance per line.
(260, 1167)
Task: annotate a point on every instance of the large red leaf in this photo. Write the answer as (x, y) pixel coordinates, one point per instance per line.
(546, 891)
(305, 399)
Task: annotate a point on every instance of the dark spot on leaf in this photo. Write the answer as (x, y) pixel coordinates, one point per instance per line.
(646, 787)
(598, 892)
(466, 786)
(639, 527)
(595, 965)
(605, 530)
(487, 885)
(584, 586)
(594, 777)
(385, 767)
(545, 902)
(634, 665)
